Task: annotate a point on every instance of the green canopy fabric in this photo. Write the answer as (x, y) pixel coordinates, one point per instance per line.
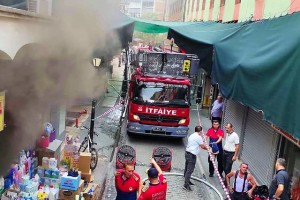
(200, 37)
(255, 63)
(259, 66)
(150, 26)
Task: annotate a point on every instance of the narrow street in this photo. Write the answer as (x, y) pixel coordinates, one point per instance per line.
(80, 81)
(144, 146)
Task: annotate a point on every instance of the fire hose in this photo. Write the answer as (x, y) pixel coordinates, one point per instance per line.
(125, 154)
(163, 157)
(213, 160)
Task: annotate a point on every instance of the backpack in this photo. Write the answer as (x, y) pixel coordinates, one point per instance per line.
(261, 192)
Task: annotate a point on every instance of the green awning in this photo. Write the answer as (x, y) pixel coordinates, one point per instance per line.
(259, 66)
(255, 63)
(150, 26)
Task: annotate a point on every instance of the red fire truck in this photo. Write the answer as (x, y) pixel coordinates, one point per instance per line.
(159, 93)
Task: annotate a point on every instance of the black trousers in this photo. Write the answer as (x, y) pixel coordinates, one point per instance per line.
(220, 163)
(239, 196)
(190, 162)
(227, 161)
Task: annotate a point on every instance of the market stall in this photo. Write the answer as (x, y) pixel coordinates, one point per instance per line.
(42, 174)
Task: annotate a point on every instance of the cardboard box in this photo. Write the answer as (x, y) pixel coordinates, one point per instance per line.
(84, 162)
(87, 176)
(70, 195)
(96, 193)
(69, 182)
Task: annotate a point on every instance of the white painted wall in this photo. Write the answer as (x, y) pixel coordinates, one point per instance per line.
(18, 28)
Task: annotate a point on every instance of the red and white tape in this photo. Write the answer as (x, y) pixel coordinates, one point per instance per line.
(110, 110)
(213, 160)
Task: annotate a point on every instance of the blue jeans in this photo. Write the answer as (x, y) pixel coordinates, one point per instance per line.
(190, 162)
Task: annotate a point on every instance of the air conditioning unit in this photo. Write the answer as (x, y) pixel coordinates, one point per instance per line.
(32, 6)
(43, 7)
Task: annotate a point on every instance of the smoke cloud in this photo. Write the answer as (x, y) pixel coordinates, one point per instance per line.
(57, 70)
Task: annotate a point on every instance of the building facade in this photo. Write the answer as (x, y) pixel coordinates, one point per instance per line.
(160, 9)
(261, 143)
(238, 10)
(175, 10)
(137, 8)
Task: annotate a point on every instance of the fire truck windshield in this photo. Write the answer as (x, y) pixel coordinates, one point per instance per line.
(160, 93)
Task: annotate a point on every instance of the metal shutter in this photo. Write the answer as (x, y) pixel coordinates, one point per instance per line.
(234, 113)
(259, 147)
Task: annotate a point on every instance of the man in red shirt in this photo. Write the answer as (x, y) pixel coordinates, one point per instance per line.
(127, 183)
(215, 136)
(157, 188)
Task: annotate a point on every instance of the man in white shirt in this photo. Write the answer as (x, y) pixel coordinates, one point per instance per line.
(195, 142)
(230, 149)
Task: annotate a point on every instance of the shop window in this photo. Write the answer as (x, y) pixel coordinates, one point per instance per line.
(291, 153)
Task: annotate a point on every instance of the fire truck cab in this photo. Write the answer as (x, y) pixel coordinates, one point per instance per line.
(159, 94)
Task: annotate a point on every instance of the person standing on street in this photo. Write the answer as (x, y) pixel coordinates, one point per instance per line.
(127, 183)
(195, 142)
(217, 109)
(242, 180)
(279, 188)
(230, 149)
(215, 136)
(157, 188)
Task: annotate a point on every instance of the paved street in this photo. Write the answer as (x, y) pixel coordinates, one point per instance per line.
(107, 128)
(144, 147)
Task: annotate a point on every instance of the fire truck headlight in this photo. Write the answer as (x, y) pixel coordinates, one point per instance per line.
(182, 121)
(136, 117)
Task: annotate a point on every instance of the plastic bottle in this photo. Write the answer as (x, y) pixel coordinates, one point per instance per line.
(91, 191)
(52, 194)
(79, 197)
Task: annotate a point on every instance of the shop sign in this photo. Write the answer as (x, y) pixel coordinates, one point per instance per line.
(2, 103)
(287, 135)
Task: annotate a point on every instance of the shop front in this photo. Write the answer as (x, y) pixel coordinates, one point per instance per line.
(41, 173)
(289, 148)
(258, 141)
